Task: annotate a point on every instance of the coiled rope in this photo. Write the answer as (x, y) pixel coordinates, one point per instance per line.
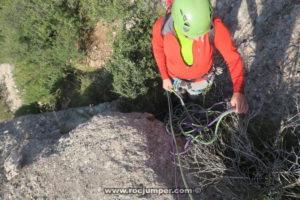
(192, 126)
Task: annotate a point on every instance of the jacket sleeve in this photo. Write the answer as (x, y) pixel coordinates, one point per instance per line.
(158, 49)
(224, 44)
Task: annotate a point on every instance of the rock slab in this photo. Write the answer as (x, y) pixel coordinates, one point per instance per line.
(111, 150)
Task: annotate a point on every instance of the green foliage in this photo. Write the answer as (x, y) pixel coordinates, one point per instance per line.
(110, 10)
(91, 88)
(132, 64)
(1, 37)
(45, 39)
(267, 198)
(42, 39)
(5, 114)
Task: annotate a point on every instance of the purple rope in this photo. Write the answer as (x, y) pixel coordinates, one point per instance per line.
(187, 147)
(216, 104)
(215, 120)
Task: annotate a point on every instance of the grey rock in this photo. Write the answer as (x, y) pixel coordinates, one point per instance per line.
(12, 164)
(266, 34)
(108, 150)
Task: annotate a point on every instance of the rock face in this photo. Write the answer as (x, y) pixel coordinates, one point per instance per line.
(266, 34)
(110, 150)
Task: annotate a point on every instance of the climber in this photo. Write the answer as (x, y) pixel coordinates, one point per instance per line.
(183, 42)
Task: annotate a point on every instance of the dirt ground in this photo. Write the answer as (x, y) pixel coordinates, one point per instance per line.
(99, 47)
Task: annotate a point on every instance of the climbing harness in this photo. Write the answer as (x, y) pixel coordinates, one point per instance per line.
(178, 81)
(193, 86)
(189, 125)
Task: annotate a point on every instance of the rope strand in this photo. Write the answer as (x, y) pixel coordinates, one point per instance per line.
(194, 125)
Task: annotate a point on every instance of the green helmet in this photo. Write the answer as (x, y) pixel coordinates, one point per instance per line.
(192, 17)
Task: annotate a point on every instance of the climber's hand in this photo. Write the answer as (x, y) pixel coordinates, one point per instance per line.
(240, 102)
(167, 84)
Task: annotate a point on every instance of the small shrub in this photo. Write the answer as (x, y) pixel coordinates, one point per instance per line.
(132, 64)
(91, 88)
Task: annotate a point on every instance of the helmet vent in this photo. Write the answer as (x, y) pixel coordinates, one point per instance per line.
(186, 27)
(187, 24)
(183, 15)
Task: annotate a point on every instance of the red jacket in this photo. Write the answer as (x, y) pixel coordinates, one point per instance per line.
(170, 63)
